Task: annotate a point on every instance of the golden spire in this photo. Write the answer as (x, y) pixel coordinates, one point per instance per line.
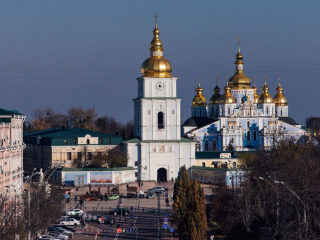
(227, 97)
(265, 97)
(256, 96)
(239, 80)
(199, 99)
(279, 98)
(215, 98)
(156, 65)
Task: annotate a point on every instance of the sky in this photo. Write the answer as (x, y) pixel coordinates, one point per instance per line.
(75, 53)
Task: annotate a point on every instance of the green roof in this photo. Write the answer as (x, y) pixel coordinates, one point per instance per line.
(9, 112)
(57, 137)
(215, 169)
(137, 140)
(96, 169)
(209, 155)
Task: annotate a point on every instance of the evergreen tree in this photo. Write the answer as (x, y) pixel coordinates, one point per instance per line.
(180, 196)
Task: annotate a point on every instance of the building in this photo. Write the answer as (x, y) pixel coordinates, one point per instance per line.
(61, 147)
(240, 119)
(217, 159)
(158, 150)
(11, 151)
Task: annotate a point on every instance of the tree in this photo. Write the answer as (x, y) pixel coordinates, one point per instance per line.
(82, 118)
(314, 124)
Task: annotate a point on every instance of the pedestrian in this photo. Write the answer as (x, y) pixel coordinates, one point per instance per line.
(172, 180)
(139, 184)
(163, 195)
(105, 197)
(163, 180)
(75, 199)
(127, 186)
(212, 237)
(171, 221)
(77, 190)
(118, 225)
(159, 181)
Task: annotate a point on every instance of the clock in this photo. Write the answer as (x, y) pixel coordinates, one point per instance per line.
(160, 86)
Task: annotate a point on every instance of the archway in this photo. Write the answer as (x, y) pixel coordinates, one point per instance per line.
(162, 174)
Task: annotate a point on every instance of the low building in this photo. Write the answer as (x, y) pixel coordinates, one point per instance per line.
(61, 147)
(80, 177)
(11, 150)
(217, 159)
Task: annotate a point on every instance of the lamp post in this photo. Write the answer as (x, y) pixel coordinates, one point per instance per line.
(296, 195)
(278, 206)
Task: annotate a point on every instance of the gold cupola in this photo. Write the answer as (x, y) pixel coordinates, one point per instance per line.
(199, 100)
(227, 97)
(256, 95)
(239, 80)
(215, 98)
(279, 98)
(265, 97)
(156, 65)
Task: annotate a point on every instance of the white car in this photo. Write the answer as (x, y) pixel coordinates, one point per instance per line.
(158, 189)
(70, 222)
(75, 212)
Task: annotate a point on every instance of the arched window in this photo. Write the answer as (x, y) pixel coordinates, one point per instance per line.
(281, 112)
(267, 110)
(248, 135)
(194, 112)
(248, 124)
(200, 112)
(214, 145)
(203, 164)
(160, 120)
(206, 146)
(88, 141)
(228, 111)
(255, 135)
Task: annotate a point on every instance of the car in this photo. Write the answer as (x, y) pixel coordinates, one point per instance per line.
(113, 197)
(75, 212)
(119, 211)
(158, 189)
(106, 220)
(45, 237)
(58, 236)
(62, 230)
(150, 195)
(141, 193)
(70, 222)
(61, 234)
(95, 218)
(76, 217)
(65, 228)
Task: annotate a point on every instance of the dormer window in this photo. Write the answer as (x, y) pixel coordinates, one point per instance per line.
(88, 141)
(66, 141)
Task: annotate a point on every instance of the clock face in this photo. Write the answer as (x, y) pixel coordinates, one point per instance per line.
(160, 86)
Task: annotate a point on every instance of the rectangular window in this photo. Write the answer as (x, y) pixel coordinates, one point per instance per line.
(69, 156)
(74, 141)
(79, 155)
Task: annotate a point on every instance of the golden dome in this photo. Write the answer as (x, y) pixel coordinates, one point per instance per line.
(265, 97)
(256, 95)
(239, 80)
(156, 65)
(227, 97)
(216, 96)
(279, 98)
(199, 99)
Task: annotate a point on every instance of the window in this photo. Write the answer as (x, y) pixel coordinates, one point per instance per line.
(74, 141)
(248, 135)
(267, 110)
(66, 141)
(228, 111)
(200, 112)
(160, 120)
(214, 145)
(79, 155)
(101, 140)
(206, 146)
(255, 135)
(194, 112)
(109, 140)
(88, 141)
(136, 163)
(69, 156)
(281, 112)
(203, 164)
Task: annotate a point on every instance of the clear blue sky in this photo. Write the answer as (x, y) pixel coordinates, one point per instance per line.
(89, 53)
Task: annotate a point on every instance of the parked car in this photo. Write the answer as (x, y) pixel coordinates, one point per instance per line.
(141, 193)
(106, 220)
(65, 227)
(59, 236)
(62, 230)
(70, 222)
(63, 218)
(150, 195)
(95, 218)
(45, 237)
(113, 197)
(158, 189)
(119, 211)
(75, 212)
(76, 217)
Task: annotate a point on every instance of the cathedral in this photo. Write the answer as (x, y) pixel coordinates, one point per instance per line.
(240, 119)
(237, 120)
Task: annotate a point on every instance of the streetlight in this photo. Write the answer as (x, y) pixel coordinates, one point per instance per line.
(278, 205)
(296, 195)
